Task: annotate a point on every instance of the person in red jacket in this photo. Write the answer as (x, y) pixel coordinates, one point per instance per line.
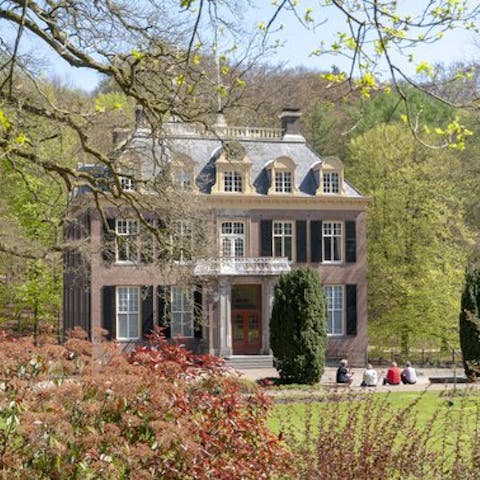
(394, 375)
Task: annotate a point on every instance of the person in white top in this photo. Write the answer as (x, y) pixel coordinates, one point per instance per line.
(370, 377)
(409, 376)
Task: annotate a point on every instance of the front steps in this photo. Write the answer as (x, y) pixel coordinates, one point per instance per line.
(241, 362)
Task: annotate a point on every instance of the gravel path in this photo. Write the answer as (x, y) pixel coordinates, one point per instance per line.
(328, 379)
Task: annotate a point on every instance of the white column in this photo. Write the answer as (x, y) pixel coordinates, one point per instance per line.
(225, 324)
(267, 304)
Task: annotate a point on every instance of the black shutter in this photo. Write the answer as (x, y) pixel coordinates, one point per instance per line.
(109, 323)
(316, 240)
(350, 241)
(147, 310)
(197, 312)
(351, 303)
(163, 309)
(265, 238)
(108, 252)
(301, 234)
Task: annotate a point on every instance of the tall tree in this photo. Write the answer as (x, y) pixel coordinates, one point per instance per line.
(416, 237)
(470, 324)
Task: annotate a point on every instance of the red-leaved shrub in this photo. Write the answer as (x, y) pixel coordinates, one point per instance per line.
(83, 410)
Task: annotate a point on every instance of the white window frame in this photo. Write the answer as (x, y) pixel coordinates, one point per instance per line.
(127, 229)
(137, 310)
(333, 231)
(232, 233)
(331, 182)
(279, 230)
(283, 181)
(184, 310)
(232, 181)
(181, 238)
(127, 184)
(335, 296)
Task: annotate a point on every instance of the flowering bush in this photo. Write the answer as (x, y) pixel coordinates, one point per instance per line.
(83, 410)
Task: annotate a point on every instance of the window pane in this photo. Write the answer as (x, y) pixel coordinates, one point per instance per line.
(332, 241)
(128, 312)
(337, 246)
(335, 308)
(181, 319)
(239, 247)
(122, 326)
(232, 239)
(133, 325)
(288, 248)
(187, 322)
(327, 248)
(238, 228)
(277, 247)
(226, 247)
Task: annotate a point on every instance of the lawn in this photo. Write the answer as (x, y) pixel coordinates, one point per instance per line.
(425, 405)
(383, 435)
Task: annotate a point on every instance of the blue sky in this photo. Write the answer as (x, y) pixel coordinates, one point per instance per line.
(297, 43)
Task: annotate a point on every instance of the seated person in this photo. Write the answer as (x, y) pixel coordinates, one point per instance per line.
(343, 375)
(409, 376)
(393, 375)
(370, 377)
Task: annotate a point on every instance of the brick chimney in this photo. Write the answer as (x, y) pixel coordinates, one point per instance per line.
(290, 121)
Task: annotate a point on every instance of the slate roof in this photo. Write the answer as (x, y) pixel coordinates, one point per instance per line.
(204, 150)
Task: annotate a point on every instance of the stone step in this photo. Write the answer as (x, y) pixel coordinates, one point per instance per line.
(249, 361)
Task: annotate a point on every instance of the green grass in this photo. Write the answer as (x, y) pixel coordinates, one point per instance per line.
(427, 404)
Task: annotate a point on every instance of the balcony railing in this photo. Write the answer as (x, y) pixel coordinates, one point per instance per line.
(242, 266)
(224, 131)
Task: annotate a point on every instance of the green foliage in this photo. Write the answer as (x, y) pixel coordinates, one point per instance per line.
(416, 237)
(298, 327)
(470, 324)
(33, 207)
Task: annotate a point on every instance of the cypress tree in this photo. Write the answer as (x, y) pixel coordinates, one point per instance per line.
(470, 324)
(298, 327)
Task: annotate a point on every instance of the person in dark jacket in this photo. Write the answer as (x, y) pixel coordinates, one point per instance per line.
(343, 375)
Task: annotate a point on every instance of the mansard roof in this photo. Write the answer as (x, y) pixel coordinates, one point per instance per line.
(262, 146)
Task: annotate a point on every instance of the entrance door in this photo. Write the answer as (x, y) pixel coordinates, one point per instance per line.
(246, 319)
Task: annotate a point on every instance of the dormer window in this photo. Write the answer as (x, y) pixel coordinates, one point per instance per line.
(182, 171)
(282, 175)
(232, 182)
(331, 182)
(283, 182)
(232, 168)
(127, 184)
(329, 176)
(183, 179)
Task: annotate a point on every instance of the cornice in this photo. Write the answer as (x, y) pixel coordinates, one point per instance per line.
(253, 201)
(290, 202)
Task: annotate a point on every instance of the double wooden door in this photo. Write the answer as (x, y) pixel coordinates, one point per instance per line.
(246, 319)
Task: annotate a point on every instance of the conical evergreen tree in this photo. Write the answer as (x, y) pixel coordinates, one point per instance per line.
(470, 324)
(298, 327)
